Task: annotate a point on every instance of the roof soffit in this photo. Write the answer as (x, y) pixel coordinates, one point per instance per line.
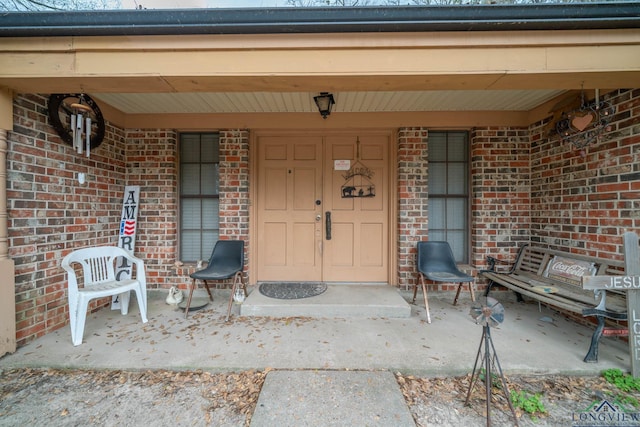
(368, 72)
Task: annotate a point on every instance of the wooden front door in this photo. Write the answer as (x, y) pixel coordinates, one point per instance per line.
(322, 208)
(357, 200)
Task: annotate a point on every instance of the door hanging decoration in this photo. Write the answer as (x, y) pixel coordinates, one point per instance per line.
(78, 120)
(587, 123)
(358, 179)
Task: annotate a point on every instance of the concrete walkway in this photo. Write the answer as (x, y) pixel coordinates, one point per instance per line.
(331, 398)
(316, 356)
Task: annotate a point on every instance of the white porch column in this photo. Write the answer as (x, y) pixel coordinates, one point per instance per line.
(7, 271)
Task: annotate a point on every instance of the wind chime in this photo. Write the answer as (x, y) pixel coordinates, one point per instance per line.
(81, 126)
(78, 120)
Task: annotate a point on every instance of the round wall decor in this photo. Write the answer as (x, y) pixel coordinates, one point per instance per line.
(63, 106)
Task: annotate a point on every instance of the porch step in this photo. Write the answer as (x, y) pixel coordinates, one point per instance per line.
(343, 300)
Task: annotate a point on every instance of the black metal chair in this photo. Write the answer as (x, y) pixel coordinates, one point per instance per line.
(435, 262)
(227, 261)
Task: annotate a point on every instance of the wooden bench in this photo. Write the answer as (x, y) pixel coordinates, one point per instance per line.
(555, 278)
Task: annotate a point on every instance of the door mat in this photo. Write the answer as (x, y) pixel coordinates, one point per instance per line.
(292, 290)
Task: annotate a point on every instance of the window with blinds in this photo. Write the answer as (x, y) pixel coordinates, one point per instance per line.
(448, 181)
(199, 195)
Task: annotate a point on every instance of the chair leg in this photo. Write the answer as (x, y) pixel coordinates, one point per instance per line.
(426, 301)
(455, 300)
(237, 278)
(186, 309)
(472, 290)
(142, 304)
(206, 285)
(415, 292)
(124, 297)
(77, 330)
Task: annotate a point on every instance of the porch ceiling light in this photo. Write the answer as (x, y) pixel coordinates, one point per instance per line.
(325, 103)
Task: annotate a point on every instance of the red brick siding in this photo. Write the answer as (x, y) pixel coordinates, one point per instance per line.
(412, 200)
(234, 184)
(152, 164)
(234, 201)
(500, 198)
(499, 191)
(50, 213)
(583, 202)
(234, 187)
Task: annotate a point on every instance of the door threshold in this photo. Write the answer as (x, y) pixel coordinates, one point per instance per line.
(258, 283)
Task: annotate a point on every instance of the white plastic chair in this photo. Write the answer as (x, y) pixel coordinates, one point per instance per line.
(99, 280)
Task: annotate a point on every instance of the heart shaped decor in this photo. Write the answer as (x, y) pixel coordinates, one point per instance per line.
(581, 122)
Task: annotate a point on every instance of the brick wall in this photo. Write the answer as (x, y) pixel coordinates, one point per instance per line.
(50, 212)
(152, 164)
(500, 184)
(234, 202)
(501, 202)
(234, 185)
(583, 201)
(412, 200)
(234, 188)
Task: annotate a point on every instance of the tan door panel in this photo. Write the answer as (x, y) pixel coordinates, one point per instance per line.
(358, 249)
(289, 183)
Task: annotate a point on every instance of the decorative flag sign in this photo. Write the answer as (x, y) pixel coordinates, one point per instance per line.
(127, 238)
(127, 227)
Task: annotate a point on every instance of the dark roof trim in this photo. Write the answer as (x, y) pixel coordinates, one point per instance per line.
(572, 16)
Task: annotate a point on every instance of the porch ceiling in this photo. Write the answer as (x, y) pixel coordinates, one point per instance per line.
(346, 101)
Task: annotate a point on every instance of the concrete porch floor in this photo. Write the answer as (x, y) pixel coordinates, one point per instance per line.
(527, 342)
(363, 301)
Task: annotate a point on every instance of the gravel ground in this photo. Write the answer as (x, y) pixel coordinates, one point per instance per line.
(441, 401)
(34, 397)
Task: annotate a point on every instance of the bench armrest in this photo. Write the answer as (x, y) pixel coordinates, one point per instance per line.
(604, 313)
(499, 266)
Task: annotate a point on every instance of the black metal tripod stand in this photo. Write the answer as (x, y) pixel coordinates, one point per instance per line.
(490, 362)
